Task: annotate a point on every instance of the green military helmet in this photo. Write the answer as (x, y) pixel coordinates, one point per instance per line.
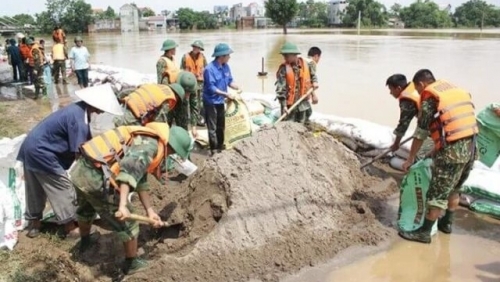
(222, 49)
(187, 80)
(180, 141)
(78, 38)
(198, 44)
(168, 44)
(289, 48)
(177, 88)
(30, 41)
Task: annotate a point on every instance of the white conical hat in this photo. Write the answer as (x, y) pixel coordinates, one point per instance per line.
(102, 98)
(19, 35)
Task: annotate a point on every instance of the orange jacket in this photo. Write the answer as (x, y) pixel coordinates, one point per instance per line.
(148, 98)
(410, 93)
(195, 66)
(25, 51)
(107, 149)
(455, 119)
(58, 36)
(304, 78)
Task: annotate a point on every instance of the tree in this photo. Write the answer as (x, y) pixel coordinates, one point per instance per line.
(425, 14)
(110, 13)
(189, 19)
(313, 13)
(395, 10)
(373, 13)
(186, 18)
(476, 13)
(24, 19)
(147, 12)
(281, 12)
(73, 15)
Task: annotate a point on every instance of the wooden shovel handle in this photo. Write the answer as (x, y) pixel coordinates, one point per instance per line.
(140, 218)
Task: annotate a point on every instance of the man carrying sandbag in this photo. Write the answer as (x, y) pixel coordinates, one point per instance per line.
(116, 163)
(217, 78)
(51, 148)
(448, 114)
(294, 79)
(150, 102)
(409, 104)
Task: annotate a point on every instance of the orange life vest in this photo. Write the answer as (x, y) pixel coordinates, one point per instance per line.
(455, 118)
(31, 59)
(107, 149)
(148, 98)
(195, 66)
(25, 51)
(304, 78)
(410, 93)
(171, 70)
(58, 35)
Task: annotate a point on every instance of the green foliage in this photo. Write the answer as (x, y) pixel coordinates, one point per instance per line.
(24, 19)
(281, 12)
(189, 19)
(313, 13)
(477, 13)
(73, 15)
(425, 14)
(147, 12)
(373, 13)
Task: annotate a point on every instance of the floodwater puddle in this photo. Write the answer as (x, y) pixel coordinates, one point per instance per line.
(470, 253)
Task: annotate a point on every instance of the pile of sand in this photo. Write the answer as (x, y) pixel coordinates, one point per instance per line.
(279, 201)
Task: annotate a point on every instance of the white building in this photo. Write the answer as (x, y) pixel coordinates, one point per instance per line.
(129, 18)
(335, 11)
(237, 11)
(255, 10)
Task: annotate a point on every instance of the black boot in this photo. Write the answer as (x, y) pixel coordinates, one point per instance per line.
(444, 223)
(37, 92)
(422, 235)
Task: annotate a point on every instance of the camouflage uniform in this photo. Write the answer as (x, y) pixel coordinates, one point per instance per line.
(408, 110)
(92, 197)
(184, 116)
(160, 70)
(38, 58)
(129, 118)
(451, 164)
(300, 113)
(197, 103)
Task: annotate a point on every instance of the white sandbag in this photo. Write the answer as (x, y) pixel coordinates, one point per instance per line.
(6, 74)
(402, 153)
(397, 163)
(12, 202)
(254, 107)
(482, 183)
(466, 200)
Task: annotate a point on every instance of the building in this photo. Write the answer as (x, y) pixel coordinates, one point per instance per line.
(395, 22)
(236, 12)
(105, 25)
(153, 23)
(221, 10)
(255, 10)
(172, 20)
(129, 17)
(335, 11)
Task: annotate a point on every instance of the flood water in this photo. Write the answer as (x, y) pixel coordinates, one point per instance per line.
(352, 74)
(352, 71)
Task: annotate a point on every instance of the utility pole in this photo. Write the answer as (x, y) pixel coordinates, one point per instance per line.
(359, 22)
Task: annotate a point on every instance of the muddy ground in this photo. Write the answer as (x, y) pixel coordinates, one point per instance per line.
(282, 200)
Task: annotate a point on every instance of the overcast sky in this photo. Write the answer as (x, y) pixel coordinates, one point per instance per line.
(35, 6)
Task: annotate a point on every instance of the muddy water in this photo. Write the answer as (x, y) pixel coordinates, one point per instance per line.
(352, 71)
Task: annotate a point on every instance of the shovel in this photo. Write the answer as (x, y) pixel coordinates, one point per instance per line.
(384, 153)
(308, 93)
(141, 218)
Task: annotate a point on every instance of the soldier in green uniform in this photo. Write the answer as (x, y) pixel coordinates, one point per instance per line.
(166, 68)
(293, 79)
(38, 63)
(88, 181)
(195, 62)
(186, 115)
(159, 114)
(452, 160)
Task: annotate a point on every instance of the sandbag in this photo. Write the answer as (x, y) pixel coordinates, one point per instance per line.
(238, 122)
(466, 200)
(254, 108)
(261, 119)
(488, 139)
(397, 163)
(483, 183)
(486, 206)
(6, 74)
(413, 197)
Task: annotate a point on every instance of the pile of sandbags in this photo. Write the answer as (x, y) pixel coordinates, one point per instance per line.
(481, 191)
(6, 74)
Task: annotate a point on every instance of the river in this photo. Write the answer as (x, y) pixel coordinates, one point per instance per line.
(352, 74)
(352, 71)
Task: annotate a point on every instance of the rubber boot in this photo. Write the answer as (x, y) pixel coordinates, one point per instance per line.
(87, 242)
(37, 92)
(421, 235)
(134, 265)
(445, 223)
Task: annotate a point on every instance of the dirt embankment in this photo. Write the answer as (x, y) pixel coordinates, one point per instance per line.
(279, 201)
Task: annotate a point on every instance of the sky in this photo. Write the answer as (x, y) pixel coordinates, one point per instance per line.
(35, 6)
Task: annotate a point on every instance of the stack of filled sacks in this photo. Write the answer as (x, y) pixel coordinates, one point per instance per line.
(123, 78)
(481, 191)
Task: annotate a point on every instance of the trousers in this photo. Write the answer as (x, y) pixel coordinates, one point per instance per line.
(215, 118)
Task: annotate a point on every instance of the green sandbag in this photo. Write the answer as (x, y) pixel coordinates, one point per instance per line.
(261, 119)
(413, 196)
(488, 139)
(486, 207)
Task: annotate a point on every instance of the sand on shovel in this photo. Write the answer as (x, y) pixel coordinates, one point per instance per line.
(279, 201)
